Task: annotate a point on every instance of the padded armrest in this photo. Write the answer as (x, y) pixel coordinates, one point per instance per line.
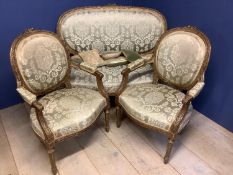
(90, 68)
(76, 59)
(136, 64)
(26, 95)
(196, 89)
(110, 54)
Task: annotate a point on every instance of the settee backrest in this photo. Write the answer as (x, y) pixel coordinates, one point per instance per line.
(111, 28)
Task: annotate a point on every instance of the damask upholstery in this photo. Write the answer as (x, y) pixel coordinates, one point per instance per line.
(69, 111)
(154, 104)
(194, 92)
(180, 56)
(111, 28)
(112, 77)
(91, 56)
(88, 67)
(42, 61)
(26, 95)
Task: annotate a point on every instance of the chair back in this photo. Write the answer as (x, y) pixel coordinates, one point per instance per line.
(181, 57)
(40, 61)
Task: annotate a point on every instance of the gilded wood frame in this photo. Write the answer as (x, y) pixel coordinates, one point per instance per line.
(49, 141)
(171, 134)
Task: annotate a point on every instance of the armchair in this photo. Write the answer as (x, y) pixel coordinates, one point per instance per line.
(180, 59)
(42, 66)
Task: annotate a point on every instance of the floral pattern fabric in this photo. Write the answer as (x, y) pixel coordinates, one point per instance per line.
(112, 29)
(180, 57)
(112, 77)
(42, 61)
(91, 57)
(90, 68)
(153, 104)
(68, 111)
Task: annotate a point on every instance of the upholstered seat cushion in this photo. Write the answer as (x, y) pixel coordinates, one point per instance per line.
(68, 111)
(155, 105)
(112, 77)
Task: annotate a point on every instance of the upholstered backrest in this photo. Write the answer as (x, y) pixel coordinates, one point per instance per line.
(111, 28)
(181, 56)
(39, 60)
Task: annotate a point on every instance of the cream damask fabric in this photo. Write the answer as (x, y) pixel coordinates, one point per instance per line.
(196, 89)
(112, 29)
(91, 57)
(68, 111)
(112, 77)
(154, 104)
(26, 95)
(180, 56)
(42, 61)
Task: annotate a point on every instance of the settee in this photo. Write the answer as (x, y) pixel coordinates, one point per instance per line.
(111, 28)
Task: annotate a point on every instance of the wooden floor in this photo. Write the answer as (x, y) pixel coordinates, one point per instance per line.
(202, 148)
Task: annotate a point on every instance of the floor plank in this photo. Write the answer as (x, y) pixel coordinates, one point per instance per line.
(7, 163)
(31, 156)
(106, 157)
(139, 153)
(72, 160)
(203, 148)
(209, 144)
(182, 159)
(201, 118)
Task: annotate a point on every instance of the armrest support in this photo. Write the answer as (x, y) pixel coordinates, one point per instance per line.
(30, 98)
(190, 95)
(187, 98)
(130, 68)
(42, 122)
(26, 95)
(99, 76)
